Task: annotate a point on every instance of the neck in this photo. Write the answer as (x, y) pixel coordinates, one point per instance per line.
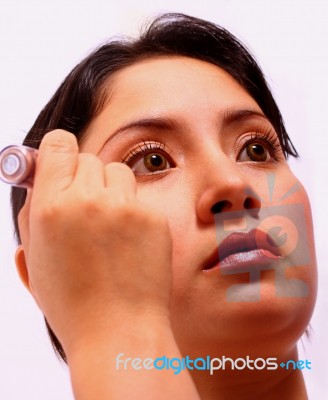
(256, 384)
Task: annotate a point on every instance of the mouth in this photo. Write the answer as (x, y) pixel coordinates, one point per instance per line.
(240, 251)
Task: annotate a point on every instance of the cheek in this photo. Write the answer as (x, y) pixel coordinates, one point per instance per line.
(176, 203)
(284, 201)
(286, 212)
(304, 233)
(172, 198)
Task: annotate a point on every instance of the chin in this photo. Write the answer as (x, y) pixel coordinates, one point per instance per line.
(267, 327)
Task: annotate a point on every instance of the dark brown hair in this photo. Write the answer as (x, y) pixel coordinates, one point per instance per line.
(81, 95)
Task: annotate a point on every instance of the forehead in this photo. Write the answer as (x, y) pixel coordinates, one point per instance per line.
(177, 80)
(192, 93)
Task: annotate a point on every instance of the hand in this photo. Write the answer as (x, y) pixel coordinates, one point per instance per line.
(94, 254)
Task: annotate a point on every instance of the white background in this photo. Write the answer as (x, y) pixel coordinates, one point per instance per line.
(40, 42)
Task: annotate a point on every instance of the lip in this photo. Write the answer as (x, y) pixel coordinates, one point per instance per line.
(240, 251)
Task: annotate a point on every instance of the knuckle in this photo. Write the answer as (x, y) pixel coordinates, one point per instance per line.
(122, 213)
(142, 216)
(91, 206)
(127, 215)
(46, 215)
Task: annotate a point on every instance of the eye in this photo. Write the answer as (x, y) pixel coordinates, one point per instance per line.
(149, 158)
(254, 152)
(151, 162)
(261, 148)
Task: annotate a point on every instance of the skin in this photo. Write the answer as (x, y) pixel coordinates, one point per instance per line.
(193, 113)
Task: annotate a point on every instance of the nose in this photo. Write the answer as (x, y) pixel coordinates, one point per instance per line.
(225, 187)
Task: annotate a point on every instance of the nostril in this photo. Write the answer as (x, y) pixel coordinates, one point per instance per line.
(220, 206)
(251, 203)
(248, 203)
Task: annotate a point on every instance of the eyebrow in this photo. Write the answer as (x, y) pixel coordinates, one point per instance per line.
(235, 116)
(159, 124)
(167, 124)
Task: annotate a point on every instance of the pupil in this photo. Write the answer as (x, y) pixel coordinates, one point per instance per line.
(156, 160)
(258, 149)
(256, 152)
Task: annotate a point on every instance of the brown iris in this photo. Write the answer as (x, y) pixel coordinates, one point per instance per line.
(155, 162)
(257, 152)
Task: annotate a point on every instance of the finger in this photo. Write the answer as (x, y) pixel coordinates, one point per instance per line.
(56, 163)
(90, 174)
(121, 181)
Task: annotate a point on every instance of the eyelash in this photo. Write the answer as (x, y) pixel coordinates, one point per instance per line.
(268, 137)
(147, 146)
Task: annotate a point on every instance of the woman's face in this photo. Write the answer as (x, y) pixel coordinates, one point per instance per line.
(195, 139)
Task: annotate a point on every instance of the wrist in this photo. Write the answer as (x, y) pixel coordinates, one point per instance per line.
(119, 332)
(101, 365)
